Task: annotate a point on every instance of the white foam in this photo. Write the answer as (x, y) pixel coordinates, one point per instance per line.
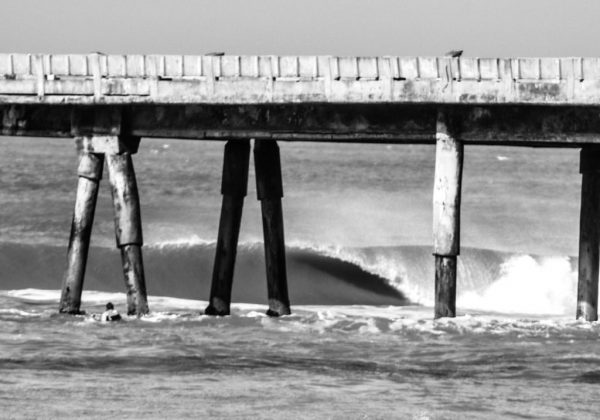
(92, 297)
(156, 317)
(182, 304)
(248, 309)
(353, 319)
(13, 311)
(37, 295)
(528, 286)
(181, 242)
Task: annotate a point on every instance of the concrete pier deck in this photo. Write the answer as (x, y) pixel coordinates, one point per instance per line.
(522, 101)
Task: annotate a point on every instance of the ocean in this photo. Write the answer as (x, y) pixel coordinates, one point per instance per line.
(361, 342)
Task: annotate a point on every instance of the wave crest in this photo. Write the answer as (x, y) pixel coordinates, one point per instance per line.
(317, 275)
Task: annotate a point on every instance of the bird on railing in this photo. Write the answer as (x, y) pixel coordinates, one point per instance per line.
(454, 53)
(448, 70)
(216, 54)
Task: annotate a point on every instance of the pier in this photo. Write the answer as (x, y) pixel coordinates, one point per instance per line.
(109, 103)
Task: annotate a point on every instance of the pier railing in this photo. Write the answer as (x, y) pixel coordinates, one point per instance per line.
(126, 79)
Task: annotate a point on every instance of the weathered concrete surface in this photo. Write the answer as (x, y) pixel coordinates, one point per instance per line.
(589, 236)
(128, 229)
(446, 212)
(177, 79)
(447, 190)
(269, 190)
(234, 186)
(520, 101)
(570, 126)
(90, 174)
(445, 287)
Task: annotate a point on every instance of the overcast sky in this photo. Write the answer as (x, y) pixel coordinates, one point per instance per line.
(339, 27)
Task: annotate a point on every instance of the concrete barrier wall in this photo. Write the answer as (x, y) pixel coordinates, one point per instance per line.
(367, 68)
(99, 78)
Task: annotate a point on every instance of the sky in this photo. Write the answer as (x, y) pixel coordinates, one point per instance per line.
(325, 27)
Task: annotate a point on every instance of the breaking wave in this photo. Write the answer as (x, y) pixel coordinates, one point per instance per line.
(488, 280)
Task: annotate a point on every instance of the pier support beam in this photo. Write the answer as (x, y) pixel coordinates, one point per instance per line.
(269, 189)
(90, 173)
(446, 215)
(589, 235)
(128, 228)
(234, 186)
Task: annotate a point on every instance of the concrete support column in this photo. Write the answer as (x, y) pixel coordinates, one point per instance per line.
(234, 186)
(270, 191)
(589, 235)
(446, 215)
(90, 173)
(128, 229)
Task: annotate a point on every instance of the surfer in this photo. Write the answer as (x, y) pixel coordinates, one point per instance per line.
(111, 314)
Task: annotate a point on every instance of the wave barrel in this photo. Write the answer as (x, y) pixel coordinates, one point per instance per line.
(128, 229)
(90, 174)
(269, 189)
(234, 186)
(589, 235)
(446, 215)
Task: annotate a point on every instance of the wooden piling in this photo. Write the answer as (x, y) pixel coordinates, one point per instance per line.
(269, 189)
(135, 283)
(445, 286)
(589, 235)
(234, 186)
(446, 215)
(128, 229)
(90, 174)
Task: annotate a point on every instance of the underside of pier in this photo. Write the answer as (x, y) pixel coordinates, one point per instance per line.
(519, 125)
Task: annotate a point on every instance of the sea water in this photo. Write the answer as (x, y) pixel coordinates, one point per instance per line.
(361, 342)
